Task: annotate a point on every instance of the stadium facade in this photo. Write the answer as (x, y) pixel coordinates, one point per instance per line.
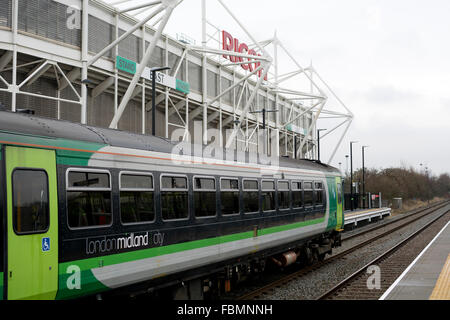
(50, 63)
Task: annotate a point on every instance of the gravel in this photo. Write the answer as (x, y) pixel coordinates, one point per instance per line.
(318, 282)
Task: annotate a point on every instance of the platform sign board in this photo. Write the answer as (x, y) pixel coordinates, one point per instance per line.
(183, 86)
(161, 78)
(126, 65)
(296, 129)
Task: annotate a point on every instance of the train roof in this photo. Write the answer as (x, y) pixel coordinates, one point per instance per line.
(28, 124)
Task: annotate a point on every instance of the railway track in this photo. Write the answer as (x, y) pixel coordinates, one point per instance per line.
(389, 228)
(355, 233)
(391, 264)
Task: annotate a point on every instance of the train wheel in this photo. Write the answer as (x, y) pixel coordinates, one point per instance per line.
(309, 258)
(322, 257)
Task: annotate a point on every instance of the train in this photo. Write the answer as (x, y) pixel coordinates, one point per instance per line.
(88, 212)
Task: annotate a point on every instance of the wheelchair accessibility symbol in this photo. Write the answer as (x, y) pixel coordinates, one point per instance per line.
(45, 244)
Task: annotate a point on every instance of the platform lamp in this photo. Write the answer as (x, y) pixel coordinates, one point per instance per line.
(363, 181)
(351, 173)
(153, 72)
(264, 111)
(318, 143)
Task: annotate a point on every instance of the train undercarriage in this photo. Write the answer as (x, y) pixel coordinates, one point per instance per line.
(216, 281)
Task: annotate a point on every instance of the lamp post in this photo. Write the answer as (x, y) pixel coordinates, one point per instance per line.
(363, 181)
(351, 173)
(153, 72)
(428, 183)
(346, 164)
(318, 143)
(264, 111)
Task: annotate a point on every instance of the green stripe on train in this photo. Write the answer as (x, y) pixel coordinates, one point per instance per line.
(66, 157)
(88, 284)
(1, 285)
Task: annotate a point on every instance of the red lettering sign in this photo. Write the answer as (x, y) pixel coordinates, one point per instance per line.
(232, 44)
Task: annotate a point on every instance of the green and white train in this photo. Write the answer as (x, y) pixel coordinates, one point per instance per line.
(88, 211)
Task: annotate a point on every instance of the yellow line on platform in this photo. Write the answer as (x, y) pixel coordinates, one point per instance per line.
(442, 289)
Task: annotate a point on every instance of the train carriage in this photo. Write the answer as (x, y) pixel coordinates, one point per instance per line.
(90, 210)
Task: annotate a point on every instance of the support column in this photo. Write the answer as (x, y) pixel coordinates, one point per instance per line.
(15, 18)
(84, 58)
(142, 65)
(204, 77)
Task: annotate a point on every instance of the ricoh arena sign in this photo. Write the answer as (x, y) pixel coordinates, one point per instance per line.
(232, 44)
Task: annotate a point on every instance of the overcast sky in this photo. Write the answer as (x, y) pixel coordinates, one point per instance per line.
(388, 61)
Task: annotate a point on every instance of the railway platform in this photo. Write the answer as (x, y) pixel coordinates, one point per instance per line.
(428, 276)
(352, 218)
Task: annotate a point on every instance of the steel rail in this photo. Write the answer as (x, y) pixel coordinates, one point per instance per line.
(298, 274)
(410, 214)
(381, 257)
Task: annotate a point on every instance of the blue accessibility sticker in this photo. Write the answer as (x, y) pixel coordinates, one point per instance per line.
(45, 244)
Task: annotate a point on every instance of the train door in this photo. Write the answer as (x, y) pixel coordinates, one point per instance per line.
(2, 220)
(332, 203)
(340, 202)
(32, 224)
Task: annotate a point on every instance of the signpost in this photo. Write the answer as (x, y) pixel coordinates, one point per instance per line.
(161, 78)
(296, 129)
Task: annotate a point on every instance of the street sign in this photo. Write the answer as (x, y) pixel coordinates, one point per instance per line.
(126, 65)
(296, 129)
(161, 78)
(183, 86)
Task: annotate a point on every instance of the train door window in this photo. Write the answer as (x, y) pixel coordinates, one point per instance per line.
(251, 196)
(229, 193)
(137, 203)
(89, 198)
(30, 201)
(297, 199)
(268, 195)
(318, 194)
(339, 192)
(283, 195)
(308, 194)
(204, 197)
(174, 197)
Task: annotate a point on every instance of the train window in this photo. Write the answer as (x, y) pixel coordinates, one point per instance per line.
(250, 185)
(283, 195)
(205, 197)
(318, 194)
(251, 196)
(174, 197)
(88, 199)
(136, 198)
(268, 195)
(307, 185)
(30, 201)
(308, 194)
(88, 180)
(229, 193)
(297, 199)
